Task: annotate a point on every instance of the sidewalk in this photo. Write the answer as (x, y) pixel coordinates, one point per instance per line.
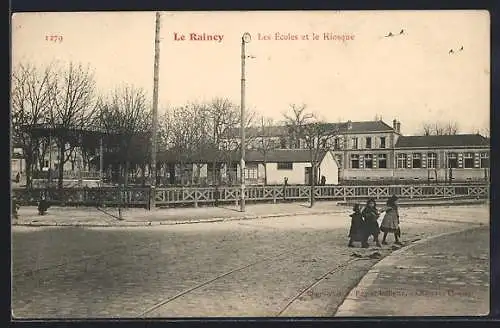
(91, 216)
(446, 275)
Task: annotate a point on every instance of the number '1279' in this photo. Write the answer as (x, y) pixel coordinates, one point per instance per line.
(54, 38)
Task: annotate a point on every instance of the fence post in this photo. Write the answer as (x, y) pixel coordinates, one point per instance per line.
(274, 195)
(238, 196)
(195, 198)
(345, 194)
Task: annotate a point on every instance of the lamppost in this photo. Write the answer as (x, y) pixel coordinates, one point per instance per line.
(246, 38)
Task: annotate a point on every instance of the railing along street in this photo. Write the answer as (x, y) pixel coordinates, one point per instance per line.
(195, 196)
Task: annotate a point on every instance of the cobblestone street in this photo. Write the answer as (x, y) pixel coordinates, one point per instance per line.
(286, 266)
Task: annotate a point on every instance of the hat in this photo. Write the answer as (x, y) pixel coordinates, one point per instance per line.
(371, 200)
(356, 207)
(394, 197)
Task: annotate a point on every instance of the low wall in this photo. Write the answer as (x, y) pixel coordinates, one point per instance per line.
(114, 196)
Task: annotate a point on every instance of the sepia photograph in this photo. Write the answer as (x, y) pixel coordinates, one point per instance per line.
(191, 164)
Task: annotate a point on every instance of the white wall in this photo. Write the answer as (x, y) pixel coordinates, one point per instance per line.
(330, 169)
(295, 176)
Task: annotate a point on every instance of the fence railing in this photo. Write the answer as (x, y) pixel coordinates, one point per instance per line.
(139, 197)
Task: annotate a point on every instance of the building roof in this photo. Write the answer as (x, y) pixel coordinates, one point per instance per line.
(272, 156)
(366, 126)
(343, 128)
(281, 156)
(458, 140)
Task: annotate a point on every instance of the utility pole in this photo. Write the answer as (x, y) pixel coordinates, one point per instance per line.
(244, 39)
(101, 161)
(154, 129)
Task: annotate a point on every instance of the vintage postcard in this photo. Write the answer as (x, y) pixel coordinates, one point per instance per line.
(250, 164)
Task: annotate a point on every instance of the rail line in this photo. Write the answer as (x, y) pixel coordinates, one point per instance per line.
(316, 282)
(207, 282)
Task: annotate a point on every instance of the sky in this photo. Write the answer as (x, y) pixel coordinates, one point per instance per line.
(355, 76)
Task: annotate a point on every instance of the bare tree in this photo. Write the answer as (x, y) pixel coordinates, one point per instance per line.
(164, 131)
(189, 130)
(72, 109)
(31, 91)
(223, 118)
(265, 141)
(316, 135)
(485, 132)
(295, 122)
(440, 128)
(427, 129)
(451, 128)
(126, 115)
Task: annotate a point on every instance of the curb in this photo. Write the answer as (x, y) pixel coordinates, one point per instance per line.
(428, 204)
(126, 224)
(350, 303)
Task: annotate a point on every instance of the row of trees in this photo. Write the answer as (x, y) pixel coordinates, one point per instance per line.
(55, 97)
(65, 99)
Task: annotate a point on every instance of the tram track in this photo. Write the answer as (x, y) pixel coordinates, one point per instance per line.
(316, 282)
(166, 301)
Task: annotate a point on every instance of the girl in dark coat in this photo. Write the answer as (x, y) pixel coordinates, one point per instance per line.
(390, 223)
(370, 226)
(356, 230)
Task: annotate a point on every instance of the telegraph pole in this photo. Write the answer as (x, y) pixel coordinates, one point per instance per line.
(244, 39)
(101, 161)
(154, 129)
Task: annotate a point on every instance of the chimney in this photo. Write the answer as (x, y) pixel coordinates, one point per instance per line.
(398, 127)
(349, 125)
(395, 125)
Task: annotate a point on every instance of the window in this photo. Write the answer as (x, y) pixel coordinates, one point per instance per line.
(368, 161)
(431, 160)
(354, 143)
(368, 142)
(484, 160)
(452, 160)
(401, 162)
(338, 158)
(382, 142)
(282, 143)
(469, 160)
(355, 161)
(382, 161)
(251, 173)
(285, 166)
(46, 163)
(336, 144)
(417, 161)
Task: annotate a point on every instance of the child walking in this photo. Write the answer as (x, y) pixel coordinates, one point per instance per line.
(370, 226)
(390, 223)
(356, 230)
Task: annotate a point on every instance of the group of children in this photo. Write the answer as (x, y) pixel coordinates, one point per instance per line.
(364, 223)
